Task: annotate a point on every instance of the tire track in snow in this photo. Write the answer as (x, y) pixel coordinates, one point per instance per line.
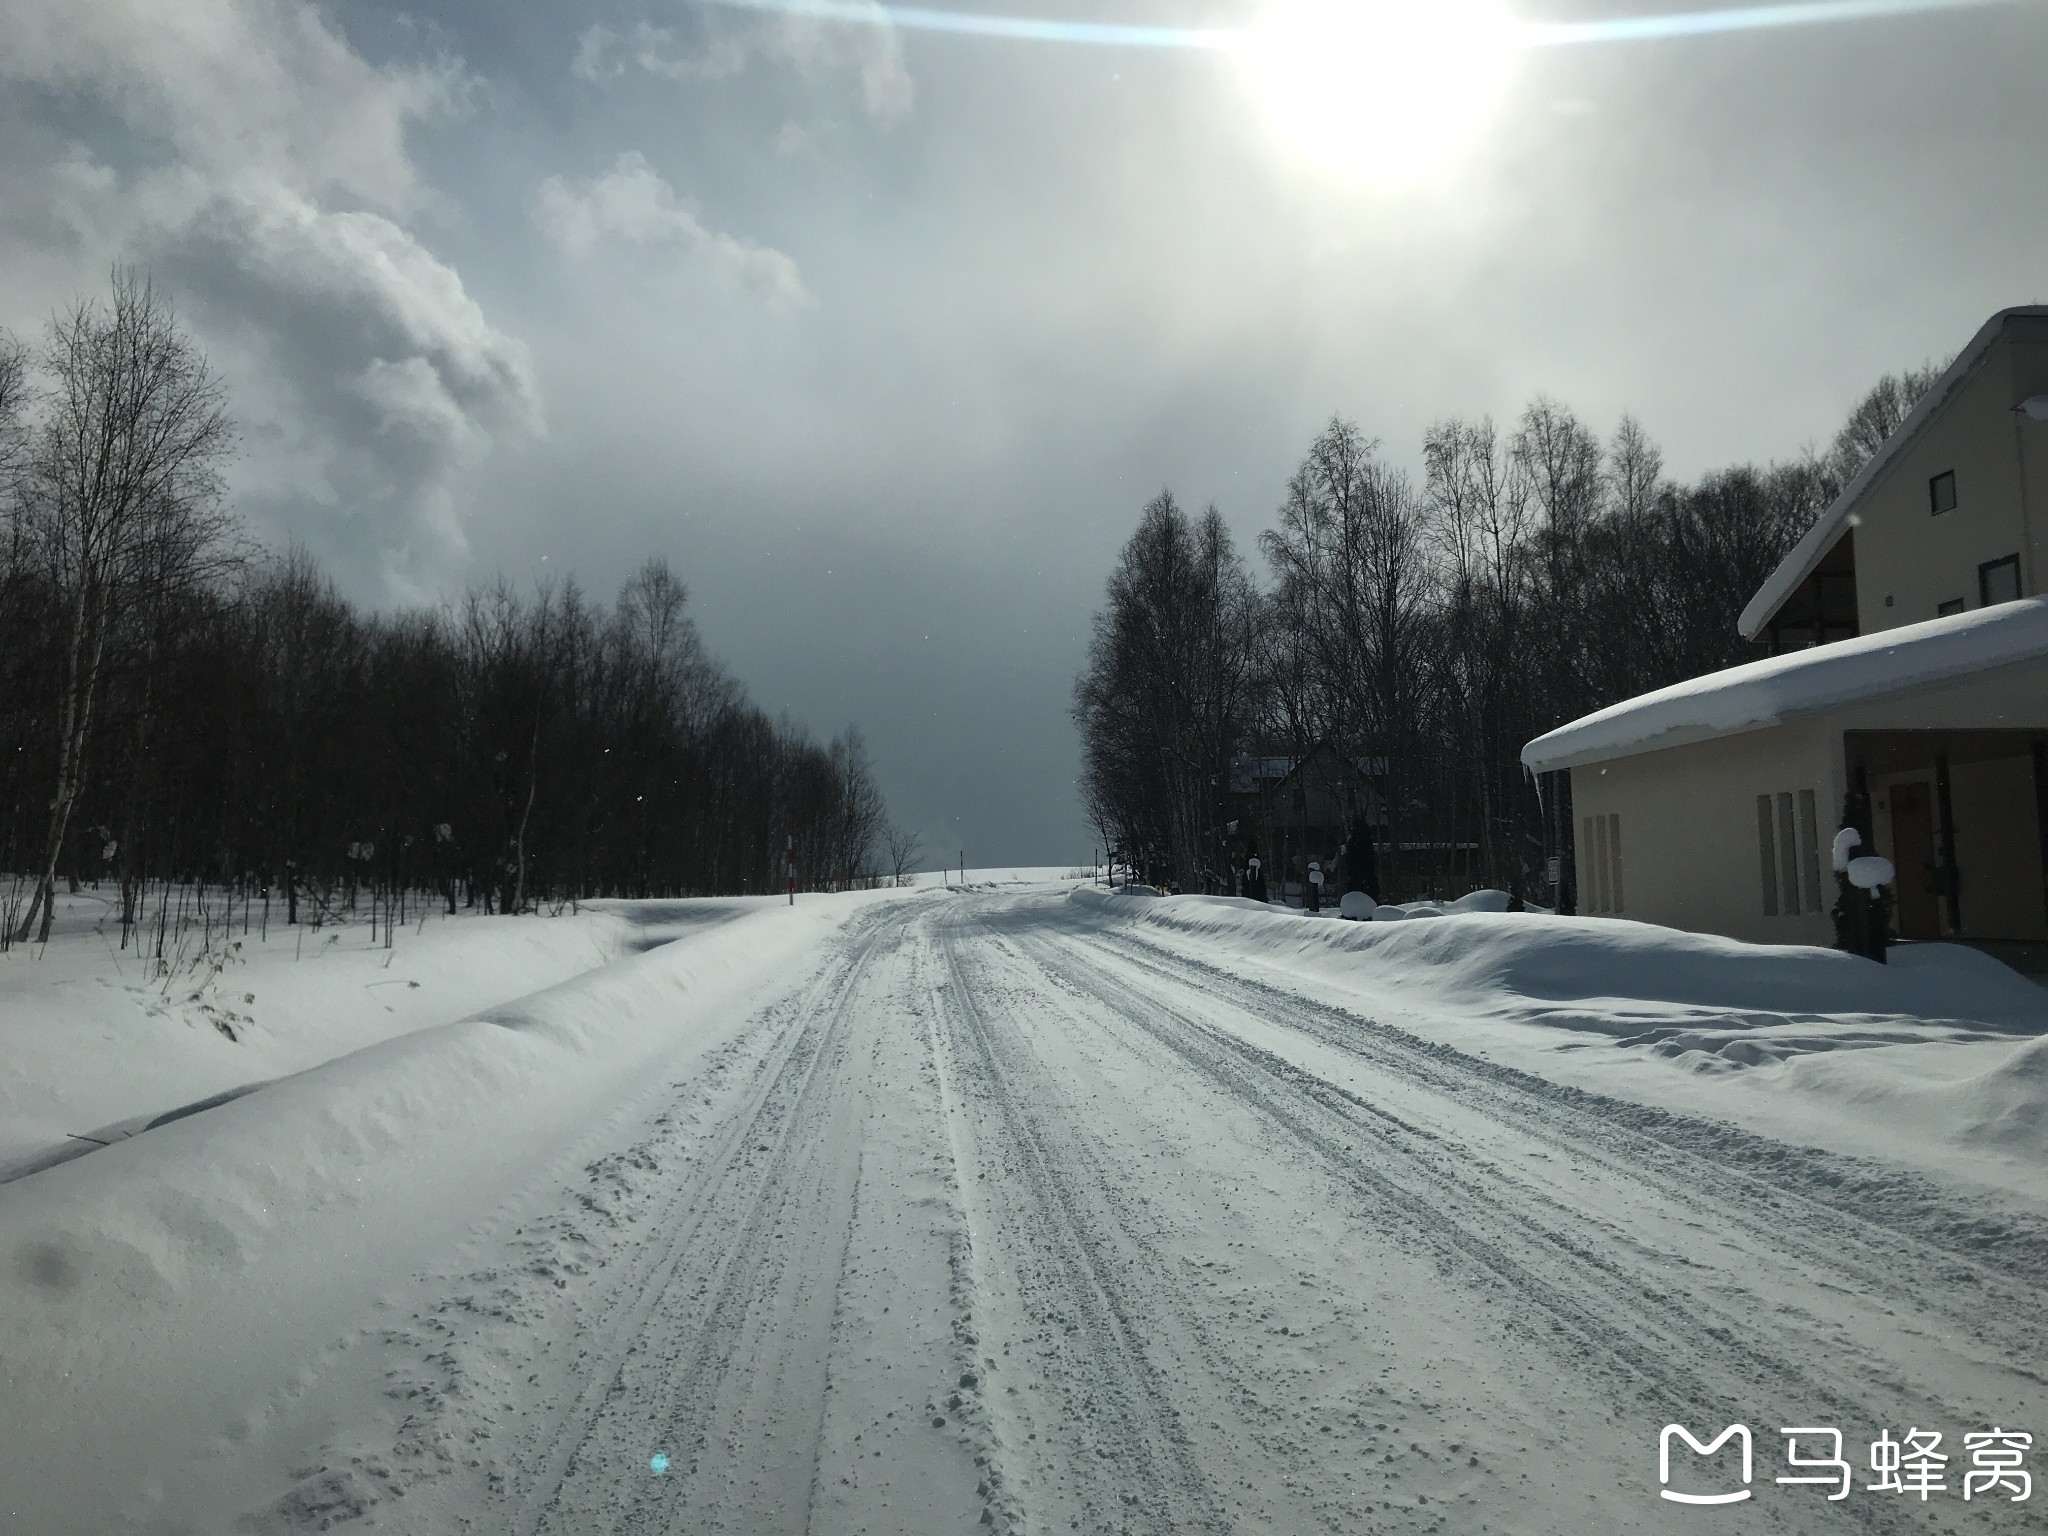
(728, 1211)
(1885, 1232)
(1072, 1272)
(1672, 1352)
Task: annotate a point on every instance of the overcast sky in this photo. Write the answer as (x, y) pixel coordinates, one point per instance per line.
(883, 337)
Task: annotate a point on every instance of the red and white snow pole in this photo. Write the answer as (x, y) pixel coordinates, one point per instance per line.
(789, 858)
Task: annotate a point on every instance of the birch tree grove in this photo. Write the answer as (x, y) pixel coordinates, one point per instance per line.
(119, 508)
(182, 713)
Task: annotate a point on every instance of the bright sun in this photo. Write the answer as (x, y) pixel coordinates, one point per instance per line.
(1379, 89)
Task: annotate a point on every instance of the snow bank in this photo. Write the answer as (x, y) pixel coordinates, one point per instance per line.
(1939, 1091)
(173, 1279)
(1614, 976)
(91, 1042)
(1936, 1060)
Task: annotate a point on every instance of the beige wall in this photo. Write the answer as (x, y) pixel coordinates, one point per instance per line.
(1690, 850)
(1690, 853)
(1908, 561)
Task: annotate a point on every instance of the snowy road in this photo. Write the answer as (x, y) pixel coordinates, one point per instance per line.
(1008, 1218)
(997, 1213)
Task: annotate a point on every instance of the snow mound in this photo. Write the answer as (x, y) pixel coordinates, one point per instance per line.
(1615, 977)
(1480, 901)
(1356, 905)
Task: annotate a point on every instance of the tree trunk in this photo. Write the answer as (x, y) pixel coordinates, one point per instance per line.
(74, 721)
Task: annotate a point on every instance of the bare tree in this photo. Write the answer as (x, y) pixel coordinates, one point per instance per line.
(13, 399)
(1351, 565)
(1880, 413)
(121, 504)
(903, 847)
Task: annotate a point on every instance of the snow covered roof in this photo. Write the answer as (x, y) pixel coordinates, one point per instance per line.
(1801, 683)
(1821, 537)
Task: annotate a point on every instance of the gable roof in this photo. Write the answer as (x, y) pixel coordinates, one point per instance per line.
(1801, 683)
(1821, 537)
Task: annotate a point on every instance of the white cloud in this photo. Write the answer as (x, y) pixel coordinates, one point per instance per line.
(816, 50)
(603, 53)
(632, 204)
(247, 154)
(265, 87)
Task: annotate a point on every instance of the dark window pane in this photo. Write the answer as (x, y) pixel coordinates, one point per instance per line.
(1788, 856)
(1998, 581)
(1809, 848)
(1941, 491)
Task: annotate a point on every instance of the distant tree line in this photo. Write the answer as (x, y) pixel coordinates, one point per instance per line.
(1428, 628)
(178, 709)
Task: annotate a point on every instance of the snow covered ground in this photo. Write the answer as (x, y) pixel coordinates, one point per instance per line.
(1028, 1208)
(1775, 1039)
(92, 1035)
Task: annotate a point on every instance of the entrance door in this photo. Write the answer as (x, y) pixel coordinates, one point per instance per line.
(1913, 852)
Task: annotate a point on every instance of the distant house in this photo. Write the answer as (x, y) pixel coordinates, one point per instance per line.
(1910, 665)
(1294, 809)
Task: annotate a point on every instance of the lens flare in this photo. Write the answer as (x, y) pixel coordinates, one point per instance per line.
(1384, 88)
(1528, 34)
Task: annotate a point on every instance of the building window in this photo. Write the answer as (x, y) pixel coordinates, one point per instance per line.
(1788, 856)
(1953, 605)
(1809, 846)
(1602, 845)
(1998, 581)
(1767, 854)
(1941, 492)
(1788, 850)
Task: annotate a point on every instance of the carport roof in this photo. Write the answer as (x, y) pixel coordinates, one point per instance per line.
(1801, 683)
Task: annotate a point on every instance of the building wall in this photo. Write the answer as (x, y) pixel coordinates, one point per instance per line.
(1689, 844)
(2034, 457)
(1910, 561)
(1691, 852)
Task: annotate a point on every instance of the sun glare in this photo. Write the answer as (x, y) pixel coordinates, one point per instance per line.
(1378, 89)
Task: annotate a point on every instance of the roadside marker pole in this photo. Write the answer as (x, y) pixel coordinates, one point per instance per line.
(789, 858)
